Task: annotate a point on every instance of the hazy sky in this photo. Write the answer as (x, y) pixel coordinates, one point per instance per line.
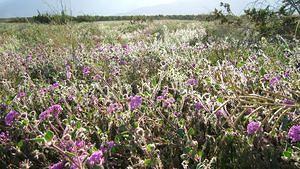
(12, 8)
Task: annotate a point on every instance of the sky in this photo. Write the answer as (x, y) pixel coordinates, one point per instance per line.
(19, 8)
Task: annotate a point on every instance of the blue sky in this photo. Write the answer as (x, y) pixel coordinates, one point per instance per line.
(12, 8)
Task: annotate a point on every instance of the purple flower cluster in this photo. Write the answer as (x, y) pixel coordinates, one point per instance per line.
(86, 71)
(54, 86)
(168, 102)
(177, 114)
(294, 133)
(68, 72)
(219, 114)
(274, 81)
(253, 127)
(288, 102)
(4, 137)
(198, 106)
(59, 165)
(286, 74)
(96, 158)
(111, 144)
(11, 117)
(192, 82)
(21, 95)
(113, 107)
(43, 91)
(135, 102)
(54, 110)
(96, 77)
(79, 144)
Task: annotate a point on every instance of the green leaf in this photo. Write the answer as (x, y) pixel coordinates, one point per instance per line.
(220, 99)
(39, 140)
(78, 125)
(191, 132)
(262, 71)
(240, 64)
(288, 153)
(20, 144)
(150, 147)
(49, 136)
(148, 162)
(187, 150)
(200, 153)
(114, 150)
(181, 133)
(25, 122)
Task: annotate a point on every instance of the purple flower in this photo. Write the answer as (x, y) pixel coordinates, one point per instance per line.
(43, 91)
(168, 102)
(266, 77)
(71, 98)
(21, 95)
(86, 71)
(192, 82)
(165, 91)
(122, 62)
(44, 115)
(248, 111)
(68, 73)
(125, 46)
(288, 102)
(113, 107)
(198, 106)
(253, 127)
(59, 165)
(286, 74)
(219, 114)
(294, 133)
(97, 77)
(193, 65)
(10, 117)
(177, 114)
(135, 102)
(96, 158)
(111, 144)
(4, 137)
(274, 81)
(160, 98)
(80, 144)
(54, 86)
(55, 110)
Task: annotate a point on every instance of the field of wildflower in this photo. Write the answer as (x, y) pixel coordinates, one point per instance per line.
(162, 94)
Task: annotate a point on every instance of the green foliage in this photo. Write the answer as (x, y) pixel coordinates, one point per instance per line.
(270, 23)
(53, 19)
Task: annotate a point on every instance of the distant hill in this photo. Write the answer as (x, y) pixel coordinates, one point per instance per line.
(26, 8)
(180, 7)
(183, 7)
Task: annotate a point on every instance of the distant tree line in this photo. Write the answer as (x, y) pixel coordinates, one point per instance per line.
(268, 21)
(64, 18)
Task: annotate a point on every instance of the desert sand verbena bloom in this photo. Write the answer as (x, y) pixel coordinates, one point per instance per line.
(253, 127)
(135, 102)
(54, 110)
(294, 133)
(10, 117)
